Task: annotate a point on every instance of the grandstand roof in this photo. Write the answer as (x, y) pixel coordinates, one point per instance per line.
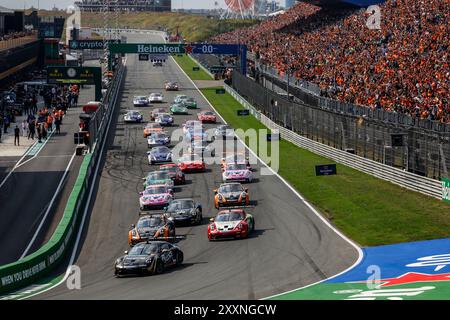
(5, 10)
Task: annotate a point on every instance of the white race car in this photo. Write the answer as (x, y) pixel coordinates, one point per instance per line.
(237, 172)
(133, 116)
(140, 101)
(156, 97)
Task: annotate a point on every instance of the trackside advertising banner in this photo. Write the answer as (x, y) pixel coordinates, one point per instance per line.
(446, 190)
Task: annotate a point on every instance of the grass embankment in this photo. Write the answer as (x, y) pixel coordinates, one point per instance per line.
(368, 210)
(192, 27)
(188, 64)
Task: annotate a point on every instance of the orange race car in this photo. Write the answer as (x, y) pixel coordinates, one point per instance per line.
(231, 194)
(151, 227)
(152, 128)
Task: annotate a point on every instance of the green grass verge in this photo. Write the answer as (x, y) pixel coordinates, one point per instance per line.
(187, 65)
(368, 210)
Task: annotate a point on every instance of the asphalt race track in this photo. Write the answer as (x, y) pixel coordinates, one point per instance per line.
(291, 247)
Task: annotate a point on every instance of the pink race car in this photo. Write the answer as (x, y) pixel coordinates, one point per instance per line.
(154, 197)
(237, 172)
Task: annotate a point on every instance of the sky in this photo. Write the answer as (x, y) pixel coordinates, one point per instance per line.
(48, 4)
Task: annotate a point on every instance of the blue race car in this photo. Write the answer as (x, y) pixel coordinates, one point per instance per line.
(159, 154)
(164, 119)
(158, 139)
(133, 116)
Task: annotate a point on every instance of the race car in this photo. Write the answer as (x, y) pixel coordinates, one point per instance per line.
(158, 139)
(190, 103)
(191, 162)
(180, 98)
(151, 128)
(206, 117)
(164, 119)
(237, 172)
(196, 134)
(184, 212)
(150, 227)
(174, 172)
(154, 197)
(202, 148)
(231, 194)
(149, 258)
(158, 178)
(192, 124)
(159, 154)
(140, 101)
(157, 63)
(133, 116)
(156, 97)
(235, 158)
(235, 223)
(223, 131)
(171, 86)
(156, 112)
(178, 108)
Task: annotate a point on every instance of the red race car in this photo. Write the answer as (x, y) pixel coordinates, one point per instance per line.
(235, 223)
(206, 116)
(174, 173)
(191, 162)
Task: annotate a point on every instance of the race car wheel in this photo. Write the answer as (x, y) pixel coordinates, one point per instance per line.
(251, 226)
(180, 258)
(159, 267)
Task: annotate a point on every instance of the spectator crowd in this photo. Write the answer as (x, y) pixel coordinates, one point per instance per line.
(401, 67)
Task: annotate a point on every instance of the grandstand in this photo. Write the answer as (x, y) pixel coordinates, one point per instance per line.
(126, 5)
(403, 67)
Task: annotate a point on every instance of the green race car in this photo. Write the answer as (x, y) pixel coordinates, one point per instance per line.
(178, 108)
(190, 103)
(158, 178)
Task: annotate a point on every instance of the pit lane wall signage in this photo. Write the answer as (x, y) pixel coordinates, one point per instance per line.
(409, 271)
(446, 190)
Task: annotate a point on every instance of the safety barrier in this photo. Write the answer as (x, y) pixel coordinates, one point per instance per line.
(40, 263)
(405, 179)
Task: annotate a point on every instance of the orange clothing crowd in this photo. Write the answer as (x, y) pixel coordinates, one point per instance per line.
(402, 67)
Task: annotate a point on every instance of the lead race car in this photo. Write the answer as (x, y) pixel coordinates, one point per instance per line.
(235, 223)
(150, 227)
(171, 86)
(184, 212)
(151, 257)
(154, 197)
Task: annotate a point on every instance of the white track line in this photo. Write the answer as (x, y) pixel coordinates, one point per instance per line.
(326, 222)
(86, 209)
(58, 189)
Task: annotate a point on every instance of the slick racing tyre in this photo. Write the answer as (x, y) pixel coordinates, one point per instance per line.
(180, 258)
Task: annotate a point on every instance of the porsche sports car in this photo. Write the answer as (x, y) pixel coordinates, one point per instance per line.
(202, 148)
(157, 63)
(149, 258)
(171, 86)
(180, 98)
(158, 139)
(155, 113)
(174, 172)
(156, 97)
(190, 103)
(151, 128)
(184, 212)
(140, 101)
(158, 178)
(237, 172)
(191, 162)
(224, 131)
(235, 158)
(159, 154)
(192, 124)
(151, 227)
(207, 117)
(196, 134)
(164, 119)
(154, 197)
(178, 108)
(231, 194)
(235, 223)
(133, 116)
